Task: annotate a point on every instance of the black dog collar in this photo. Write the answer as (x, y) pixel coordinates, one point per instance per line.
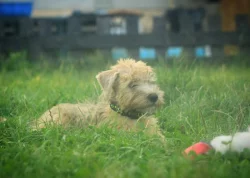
(131, 115)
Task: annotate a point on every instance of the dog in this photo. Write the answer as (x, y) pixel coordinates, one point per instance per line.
(128, 100)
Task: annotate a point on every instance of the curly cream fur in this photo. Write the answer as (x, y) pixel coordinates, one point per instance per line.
(129, 84)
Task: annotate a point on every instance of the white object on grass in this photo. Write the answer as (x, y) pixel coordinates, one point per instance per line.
(236, 143)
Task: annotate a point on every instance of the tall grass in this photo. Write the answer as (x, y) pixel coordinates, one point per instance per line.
(201, 101)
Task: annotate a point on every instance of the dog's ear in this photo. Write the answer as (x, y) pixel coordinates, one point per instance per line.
(107, 79)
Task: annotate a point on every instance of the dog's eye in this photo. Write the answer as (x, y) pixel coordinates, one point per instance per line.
(133, 85)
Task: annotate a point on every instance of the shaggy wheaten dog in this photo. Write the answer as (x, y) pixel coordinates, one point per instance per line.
(129, 98)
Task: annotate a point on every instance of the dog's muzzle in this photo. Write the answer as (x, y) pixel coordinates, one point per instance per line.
(153, 97)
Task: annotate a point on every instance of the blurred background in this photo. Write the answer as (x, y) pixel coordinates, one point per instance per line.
(144, 29)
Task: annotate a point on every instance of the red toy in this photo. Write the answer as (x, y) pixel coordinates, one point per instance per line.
(198, 148)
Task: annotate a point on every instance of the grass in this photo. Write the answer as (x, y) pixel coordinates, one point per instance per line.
(201, 101)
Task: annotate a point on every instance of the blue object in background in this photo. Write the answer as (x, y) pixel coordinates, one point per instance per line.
(174, 52)
(200, 51)
(147, 53)
(16, 8)
(118, 53)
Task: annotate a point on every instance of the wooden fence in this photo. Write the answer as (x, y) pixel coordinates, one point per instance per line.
(80, 33)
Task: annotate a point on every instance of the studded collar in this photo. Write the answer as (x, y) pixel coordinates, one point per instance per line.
(131, 114)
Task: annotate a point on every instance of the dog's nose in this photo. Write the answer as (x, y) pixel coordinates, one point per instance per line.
(153, 97)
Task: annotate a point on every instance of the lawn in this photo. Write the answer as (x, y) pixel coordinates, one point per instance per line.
(201, 101)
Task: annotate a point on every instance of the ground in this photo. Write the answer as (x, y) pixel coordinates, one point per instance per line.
(201, 101)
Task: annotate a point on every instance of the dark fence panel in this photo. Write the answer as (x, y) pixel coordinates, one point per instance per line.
(85, 32)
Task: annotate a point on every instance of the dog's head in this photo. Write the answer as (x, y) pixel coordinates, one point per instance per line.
(132, 86)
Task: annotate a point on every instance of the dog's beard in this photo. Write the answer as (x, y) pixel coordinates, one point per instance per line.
(149, 109)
